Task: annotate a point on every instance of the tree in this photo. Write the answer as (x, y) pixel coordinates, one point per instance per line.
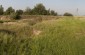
(28, 11)
(20, 12)
(1, 10)
(67, 14)
(48, 12)
(39, 9)
(9, 11)
(53, 13)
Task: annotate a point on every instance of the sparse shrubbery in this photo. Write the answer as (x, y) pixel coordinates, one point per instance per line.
(15, 16)
(35, 20)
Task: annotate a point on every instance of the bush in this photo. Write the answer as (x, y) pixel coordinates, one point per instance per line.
(67, 14)
(1, 21)
(15, 16)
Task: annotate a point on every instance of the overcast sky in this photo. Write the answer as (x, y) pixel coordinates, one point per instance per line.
(60, 6)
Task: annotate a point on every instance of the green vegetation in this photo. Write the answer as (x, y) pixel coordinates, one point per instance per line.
(1, 10)
(39, 9)
(57, 37)
(15, 16)
(9, 11)
(67, 14)
(20, 12)
(1, 21)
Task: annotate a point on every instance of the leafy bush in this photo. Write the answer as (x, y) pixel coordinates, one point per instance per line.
(68, 14)
(1, 21)
(15, 16)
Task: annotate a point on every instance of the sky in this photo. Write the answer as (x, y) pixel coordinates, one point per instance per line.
(60, 6)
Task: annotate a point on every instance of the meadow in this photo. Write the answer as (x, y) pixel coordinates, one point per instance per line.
(63, 36)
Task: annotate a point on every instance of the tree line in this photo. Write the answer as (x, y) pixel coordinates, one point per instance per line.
(39, 9)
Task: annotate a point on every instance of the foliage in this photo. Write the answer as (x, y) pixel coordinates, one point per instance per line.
(28, 11)
(48, 12)
(39, 9)
(1, 10)
(1, 21)
(68, 14)
(20, 12)
(9, 11)
(15, 16)
(53, 13)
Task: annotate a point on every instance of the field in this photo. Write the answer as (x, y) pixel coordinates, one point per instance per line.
(63, 36)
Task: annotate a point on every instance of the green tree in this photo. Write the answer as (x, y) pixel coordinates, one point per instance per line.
(28, 11)
(1, 10)
(67, 14)
(53, 13)
(9, 11)
(20, 12)
(39, 9)
(48, 12)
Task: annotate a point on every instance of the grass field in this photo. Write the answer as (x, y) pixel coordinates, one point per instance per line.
(64, 36)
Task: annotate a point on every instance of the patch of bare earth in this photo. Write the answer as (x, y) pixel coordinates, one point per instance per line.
(36, 32)
(14, 23)
(5, 18)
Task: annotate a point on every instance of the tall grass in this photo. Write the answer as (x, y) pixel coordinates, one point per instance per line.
(10, 45)
(57, 37)
(60, 37)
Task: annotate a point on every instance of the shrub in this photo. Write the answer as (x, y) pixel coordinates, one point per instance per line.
(15, 16)
(1, 21)
(67, 14)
